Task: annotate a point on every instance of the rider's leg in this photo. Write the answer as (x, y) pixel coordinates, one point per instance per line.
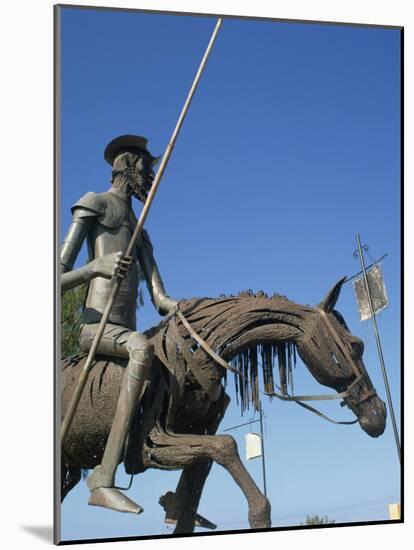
(136, 378)
(112, 343)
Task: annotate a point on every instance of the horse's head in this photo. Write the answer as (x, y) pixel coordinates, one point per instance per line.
(334, 357)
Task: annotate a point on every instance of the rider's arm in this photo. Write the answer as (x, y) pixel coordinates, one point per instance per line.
(84, 213)
(162, 302)
(89, 207)
(106, 266)
(75, 236)
(75, 278)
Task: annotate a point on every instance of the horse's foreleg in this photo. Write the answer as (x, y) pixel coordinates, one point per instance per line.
(259, 505)
(180, 451)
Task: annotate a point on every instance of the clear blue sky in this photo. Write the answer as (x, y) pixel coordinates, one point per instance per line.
(291, 147)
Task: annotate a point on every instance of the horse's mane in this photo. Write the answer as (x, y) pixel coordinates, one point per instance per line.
(256, 365)
(259, 294)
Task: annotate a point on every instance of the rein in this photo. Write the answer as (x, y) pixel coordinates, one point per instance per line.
(283, 397)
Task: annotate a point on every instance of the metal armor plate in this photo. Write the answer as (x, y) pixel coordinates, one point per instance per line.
(111, 210)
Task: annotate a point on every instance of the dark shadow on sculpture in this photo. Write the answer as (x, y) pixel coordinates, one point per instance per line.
(179, 415)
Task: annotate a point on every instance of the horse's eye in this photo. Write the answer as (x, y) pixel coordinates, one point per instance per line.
(357, 349)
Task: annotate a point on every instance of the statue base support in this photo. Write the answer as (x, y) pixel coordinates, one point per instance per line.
(172, 507)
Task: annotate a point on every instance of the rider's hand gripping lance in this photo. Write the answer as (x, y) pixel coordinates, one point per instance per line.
(117, 281)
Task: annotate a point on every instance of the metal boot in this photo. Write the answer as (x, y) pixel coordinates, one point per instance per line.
(136, 378)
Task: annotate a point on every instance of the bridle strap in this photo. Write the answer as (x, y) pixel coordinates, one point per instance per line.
(325, 397)
(339, 342)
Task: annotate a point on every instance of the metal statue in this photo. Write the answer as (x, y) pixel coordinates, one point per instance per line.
(174, 427)
(107, 221)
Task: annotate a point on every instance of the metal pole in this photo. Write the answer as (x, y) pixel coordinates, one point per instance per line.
(70, 413)
(263, 450)
(241, 425)
(379, 348)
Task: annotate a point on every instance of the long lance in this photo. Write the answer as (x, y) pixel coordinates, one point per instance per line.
(70, 413)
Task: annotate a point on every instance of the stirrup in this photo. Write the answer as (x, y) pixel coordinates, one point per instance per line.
(109, 497)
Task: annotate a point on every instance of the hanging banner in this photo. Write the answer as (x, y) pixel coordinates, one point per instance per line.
(253, 446)
(377, 289)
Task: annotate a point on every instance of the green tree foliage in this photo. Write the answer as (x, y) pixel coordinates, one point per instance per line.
(318, 520)
(71, 315)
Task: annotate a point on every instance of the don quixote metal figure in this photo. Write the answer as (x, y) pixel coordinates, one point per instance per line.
(155, 400)
(107, 221)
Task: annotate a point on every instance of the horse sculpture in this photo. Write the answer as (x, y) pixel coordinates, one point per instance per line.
(176, 423)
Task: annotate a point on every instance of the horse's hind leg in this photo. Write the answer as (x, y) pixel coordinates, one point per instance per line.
(183, 510)
(70, 476)
(180, 451)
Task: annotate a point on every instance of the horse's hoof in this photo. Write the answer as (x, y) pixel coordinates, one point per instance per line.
(259, 522)
(109, 497)
(260, 518)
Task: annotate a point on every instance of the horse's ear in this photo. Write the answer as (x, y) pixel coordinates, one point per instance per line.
(328, 303)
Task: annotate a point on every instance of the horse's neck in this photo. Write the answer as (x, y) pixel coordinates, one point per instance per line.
(234, 324)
